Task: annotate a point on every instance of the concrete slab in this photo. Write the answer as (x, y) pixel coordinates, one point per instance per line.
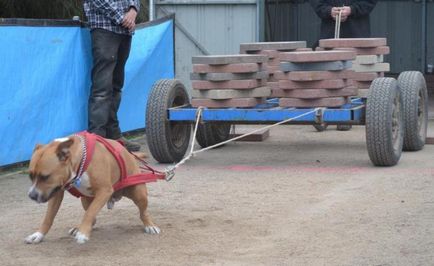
(259, 136)
(368, 59)
(228, 59)
(315, 66)
(273, 69)
(236, 102)
(307, 103)
(274, 62)
(362, 84)
(271, 54)
(314, 75)
(280, 46)
(379, 67)
(230, 84)
(322, 84)
(368, 76)
(229, 68)
(314, 56)
(353, 42)
(314, 93)
(273, 85)
(228, 76)
(381, 50)
(363, 92)
(229, 94)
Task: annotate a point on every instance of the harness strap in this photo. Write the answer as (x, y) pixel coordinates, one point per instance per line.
(116, 152)
(138, 179)
(116, 149)
(74, 192)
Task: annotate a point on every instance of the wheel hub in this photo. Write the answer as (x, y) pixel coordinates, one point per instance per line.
(396, 123)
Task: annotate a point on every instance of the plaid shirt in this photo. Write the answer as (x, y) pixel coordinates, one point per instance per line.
(108, 14)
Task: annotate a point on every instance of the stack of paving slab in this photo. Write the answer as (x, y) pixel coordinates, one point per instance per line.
(272, 51)
(315, 79)
(368, 64)
(220, 81)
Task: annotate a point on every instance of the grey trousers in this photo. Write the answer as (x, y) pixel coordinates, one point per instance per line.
(110, 52)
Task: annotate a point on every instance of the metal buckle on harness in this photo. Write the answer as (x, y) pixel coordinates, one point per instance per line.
(170, 173)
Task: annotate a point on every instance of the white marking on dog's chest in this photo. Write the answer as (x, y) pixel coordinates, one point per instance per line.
(82, 184)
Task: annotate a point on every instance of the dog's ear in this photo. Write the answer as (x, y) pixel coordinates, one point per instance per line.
(37, 147)
(63, 150)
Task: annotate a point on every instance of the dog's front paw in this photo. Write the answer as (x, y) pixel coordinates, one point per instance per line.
(34, 238)
(80, 237)
(153, 230)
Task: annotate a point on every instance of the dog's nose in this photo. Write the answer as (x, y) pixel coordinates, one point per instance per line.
(33, 195)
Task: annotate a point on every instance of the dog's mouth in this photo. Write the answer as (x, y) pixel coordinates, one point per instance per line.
(52, 193)
(42, 199)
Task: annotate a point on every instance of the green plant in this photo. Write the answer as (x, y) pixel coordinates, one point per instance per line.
(52, 9)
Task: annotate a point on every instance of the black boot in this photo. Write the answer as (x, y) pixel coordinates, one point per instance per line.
(129, 145)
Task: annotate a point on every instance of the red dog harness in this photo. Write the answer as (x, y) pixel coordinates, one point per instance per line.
(89, 140)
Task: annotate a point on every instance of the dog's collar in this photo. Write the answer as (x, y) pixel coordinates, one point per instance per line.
(81, 167)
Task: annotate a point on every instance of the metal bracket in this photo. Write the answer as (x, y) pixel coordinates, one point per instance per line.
(319, 115)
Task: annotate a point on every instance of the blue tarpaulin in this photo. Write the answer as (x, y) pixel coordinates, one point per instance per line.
(45, 82)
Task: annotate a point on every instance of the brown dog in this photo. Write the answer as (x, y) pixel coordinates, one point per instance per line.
(54, 164)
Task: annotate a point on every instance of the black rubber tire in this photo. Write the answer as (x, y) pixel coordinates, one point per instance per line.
(209, 134)
(167, 140)
(320, 127)
(384, 122)
(415, 109)
(344, 127)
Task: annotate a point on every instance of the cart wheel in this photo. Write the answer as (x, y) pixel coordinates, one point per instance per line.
(415, 109)
(344, 127)
(167, 140)
(209, 134)
(320, 127)
(384, 122)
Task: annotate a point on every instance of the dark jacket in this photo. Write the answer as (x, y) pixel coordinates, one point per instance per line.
(356, 26)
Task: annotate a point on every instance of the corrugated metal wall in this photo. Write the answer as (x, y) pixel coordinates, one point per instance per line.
(214, 27)
(398, 20)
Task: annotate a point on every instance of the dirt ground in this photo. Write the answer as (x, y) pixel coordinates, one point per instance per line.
(298, 198)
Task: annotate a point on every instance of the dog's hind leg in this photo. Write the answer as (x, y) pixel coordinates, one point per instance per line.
(100, 199)
(139, 195)
(85, 202)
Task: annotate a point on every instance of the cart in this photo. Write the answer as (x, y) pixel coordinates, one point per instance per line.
(395, 115)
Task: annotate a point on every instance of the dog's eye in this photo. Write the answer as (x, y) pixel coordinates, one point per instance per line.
(43, 177)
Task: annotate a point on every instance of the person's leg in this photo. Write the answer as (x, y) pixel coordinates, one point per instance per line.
(104, 51)
(113, 130)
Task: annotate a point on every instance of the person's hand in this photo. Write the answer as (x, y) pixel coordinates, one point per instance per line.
(335, 12)
(129, 20)
(346, 11)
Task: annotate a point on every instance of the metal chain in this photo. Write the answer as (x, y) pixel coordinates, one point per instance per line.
(82, 162)
(84, 156)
